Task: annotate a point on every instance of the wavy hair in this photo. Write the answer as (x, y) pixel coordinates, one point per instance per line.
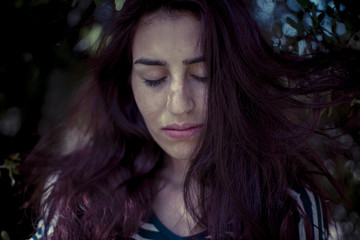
(262, 110)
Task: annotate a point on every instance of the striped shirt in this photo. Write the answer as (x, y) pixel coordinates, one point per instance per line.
(154, 229)
(308, 206)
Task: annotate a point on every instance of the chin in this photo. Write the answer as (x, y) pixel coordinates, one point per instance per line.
(181, 153)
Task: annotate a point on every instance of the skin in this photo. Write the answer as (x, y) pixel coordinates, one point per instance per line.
(166, 47)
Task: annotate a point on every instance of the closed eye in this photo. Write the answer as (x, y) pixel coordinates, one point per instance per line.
(198, 78)
(153, 83)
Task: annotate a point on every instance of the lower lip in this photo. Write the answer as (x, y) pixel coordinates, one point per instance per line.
(182, 134)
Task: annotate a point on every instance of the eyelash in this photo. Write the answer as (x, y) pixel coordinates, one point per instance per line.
(153, 83)
(157, 82)
(200, 79)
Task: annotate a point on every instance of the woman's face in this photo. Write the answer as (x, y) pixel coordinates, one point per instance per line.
(169, 81)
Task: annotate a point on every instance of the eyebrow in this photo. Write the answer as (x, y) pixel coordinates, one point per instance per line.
(194, 60)
(154, 62)
(150, 62)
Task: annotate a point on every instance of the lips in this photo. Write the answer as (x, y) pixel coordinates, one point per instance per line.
(182, 131)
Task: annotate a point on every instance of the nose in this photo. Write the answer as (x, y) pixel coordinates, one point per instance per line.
(180, 99)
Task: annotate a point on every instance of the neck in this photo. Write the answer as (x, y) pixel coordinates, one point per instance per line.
(175, 170)
(168, 204)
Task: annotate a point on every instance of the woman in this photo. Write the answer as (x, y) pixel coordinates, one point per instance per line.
(189, 129)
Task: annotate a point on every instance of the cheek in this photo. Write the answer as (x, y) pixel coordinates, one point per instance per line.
(141, 101)
(202, 100)
(146, 103)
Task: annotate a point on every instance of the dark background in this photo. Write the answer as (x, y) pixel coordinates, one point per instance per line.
(43, 52)
(39, 70)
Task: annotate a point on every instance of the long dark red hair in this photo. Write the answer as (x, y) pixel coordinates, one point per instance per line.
(103, 160)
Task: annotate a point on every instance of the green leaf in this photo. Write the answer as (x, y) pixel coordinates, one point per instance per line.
(292, 23)
(15, 171)
(74, 3)
(7, 163)
(15, 157)
(4, 235)
(355, 101)
(11, 164)
(19, 3)
(303, 3)
(354, 41)
(119, 4)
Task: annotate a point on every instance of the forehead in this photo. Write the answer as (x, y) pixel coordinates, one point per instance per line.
(166, 16)
(166, 31)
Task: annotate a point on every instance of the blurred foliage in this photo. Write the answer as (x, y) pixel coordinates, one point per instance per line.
(327, 27)
(4, 235)
(305, 26)
(43, 61)
(39, 69)
(11, 164)
(308, 26)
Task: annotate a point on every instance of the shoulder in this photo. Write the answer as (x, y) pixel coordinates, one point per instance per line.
(42, 231)
(309, 206)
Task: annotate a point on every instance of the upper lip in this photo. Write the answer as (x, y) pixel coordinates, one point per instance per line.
(182, 126)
